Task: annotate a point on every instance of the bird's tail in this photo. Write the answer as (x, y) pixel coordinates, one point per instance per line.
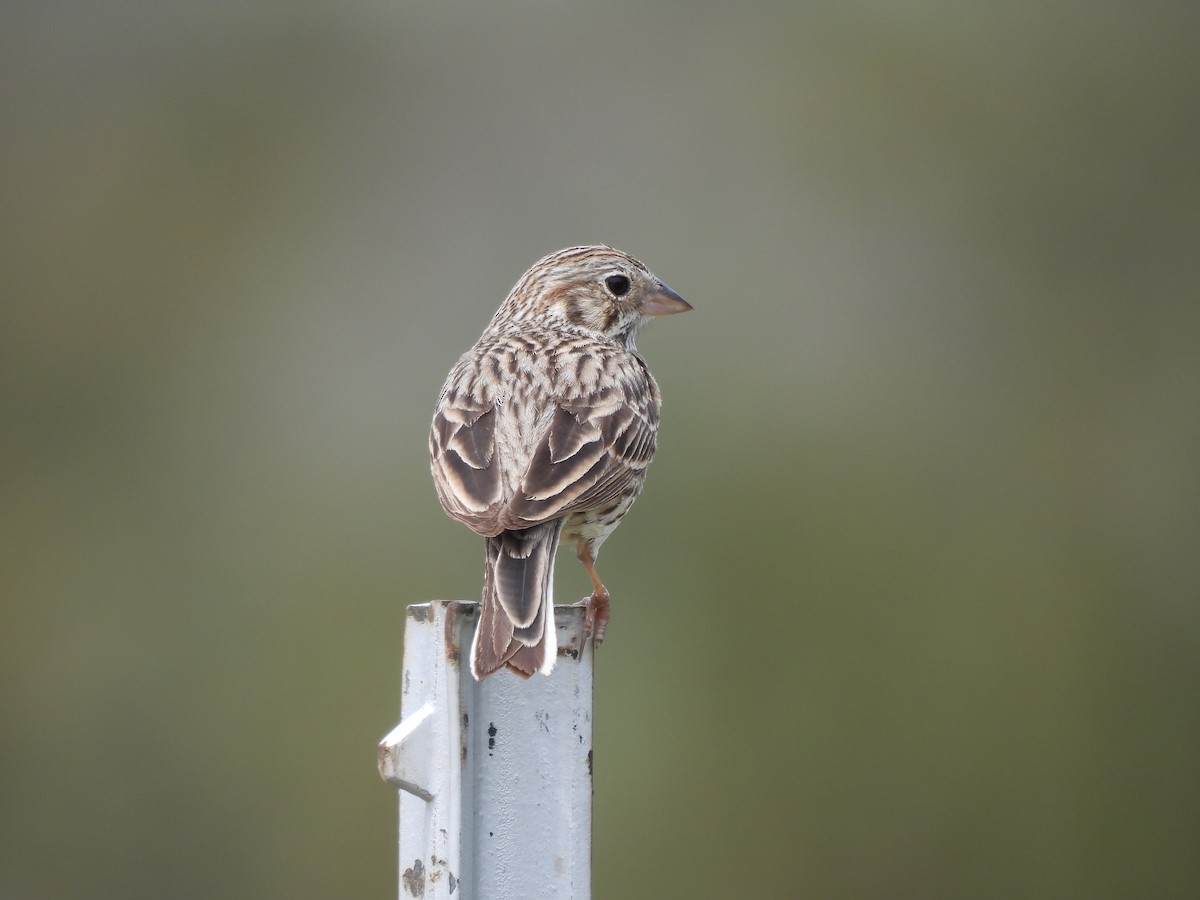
(516, 624)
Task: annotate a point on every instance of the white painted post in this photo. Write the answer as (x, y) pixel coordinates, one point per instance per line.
(495, 777)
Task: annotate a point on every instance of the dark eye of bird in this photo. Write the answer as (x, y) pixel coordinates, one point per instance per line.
(618, 284)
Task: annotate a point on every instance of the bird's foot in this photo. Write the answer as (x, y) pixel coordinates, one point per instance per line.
(595, 621)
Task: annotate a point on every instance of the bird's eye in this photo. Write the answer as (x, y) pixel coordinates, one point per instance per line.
(618, 284)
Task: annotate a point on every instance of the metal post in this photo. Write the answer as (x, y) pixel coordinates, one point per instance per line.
(495, 777)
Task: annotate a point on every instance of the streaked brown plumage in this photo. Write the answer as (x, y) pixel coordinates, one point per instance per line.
(543, 433)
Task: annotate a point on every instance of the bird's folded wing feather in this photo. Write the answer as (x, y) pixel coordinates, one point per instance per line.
(466, 470)
(590, 454)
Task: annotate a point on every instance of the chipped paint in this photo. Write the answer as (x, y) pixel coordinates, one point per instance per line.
(414, 879)
(453, 651)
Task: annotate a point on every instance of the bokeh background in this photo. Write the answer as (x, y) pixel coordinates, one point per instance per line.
(911, 606)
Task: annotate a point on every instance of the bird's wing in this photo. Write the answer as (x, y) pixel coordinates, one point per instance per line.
(593, 452)
(462, 456)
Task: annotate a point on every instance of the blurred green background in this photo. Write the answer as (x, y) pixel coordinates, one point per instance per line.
(911, 605)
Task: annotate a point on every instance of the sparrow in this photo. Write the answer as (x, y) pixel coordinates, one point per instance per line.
(542, 435)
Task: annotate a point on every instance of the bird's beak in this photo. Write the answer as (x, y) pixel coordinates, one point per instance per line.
(663, 302)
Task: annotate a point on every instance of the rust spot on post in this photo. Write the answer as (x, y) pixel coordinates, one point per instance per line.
(414, 879)
(454, 609)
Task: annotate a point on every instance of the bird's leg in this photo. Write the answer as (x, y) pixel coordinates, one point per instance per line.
(595, 623)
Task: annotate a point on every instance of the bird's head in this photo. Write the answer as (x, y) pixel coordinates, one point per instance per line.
(595, 289)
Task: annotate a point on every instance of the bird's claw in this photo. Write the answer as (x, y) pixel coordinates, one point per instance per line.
(595, 621)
